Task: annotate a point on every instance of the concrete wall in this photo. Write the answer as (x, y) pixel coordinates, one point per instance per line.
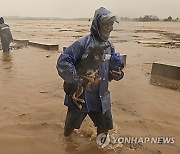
(166, 69)
(21, 41)
(166, 74)
(36, 44)
(44, 46)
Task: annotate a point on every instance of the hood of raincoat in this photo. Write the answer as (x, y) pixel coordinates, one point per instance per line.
(1, 20)
(95, 23)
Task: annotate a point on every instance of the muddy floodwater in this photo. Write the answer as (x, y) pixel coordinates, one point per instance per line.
(32, 113)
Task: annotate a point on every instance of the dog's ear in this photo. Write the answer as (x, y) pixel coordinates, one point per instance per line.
(95, 47)
(91, 49)
(105, 46)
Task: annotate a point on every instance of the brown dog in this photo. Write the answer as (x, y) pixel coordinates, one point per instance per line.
(87, 69)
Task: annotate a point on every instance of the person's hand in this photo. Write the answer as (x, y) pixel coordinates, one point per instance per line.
(116, 74)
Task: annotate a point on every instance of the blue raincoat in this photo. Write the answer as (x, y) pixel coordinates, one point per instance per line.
(6, 36)
(97, 97)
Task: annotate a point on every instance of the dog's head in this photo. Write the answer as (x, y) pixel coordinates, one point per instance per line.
(96, 52)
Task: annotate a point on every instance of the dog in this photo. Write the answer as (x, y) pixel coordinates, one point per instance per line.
(87, 69)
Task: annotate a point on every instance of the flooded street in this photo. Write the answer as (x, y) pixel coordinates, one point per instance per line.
(31, 96)
(32, 110)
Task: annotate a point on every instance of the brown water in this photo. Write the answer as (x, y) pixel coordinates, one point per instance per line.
(31, 95)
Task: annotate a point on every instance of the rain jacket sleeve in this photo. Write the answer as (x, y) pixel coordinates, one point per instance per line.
(67, 60)
(111, 61)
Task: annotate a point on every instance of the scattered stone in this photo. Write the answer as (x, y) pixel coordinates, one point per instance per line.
(22, 115)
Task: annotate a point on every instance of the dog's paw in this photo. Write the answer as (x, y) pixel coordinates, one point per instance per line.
(79, 106)
(79, 103)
